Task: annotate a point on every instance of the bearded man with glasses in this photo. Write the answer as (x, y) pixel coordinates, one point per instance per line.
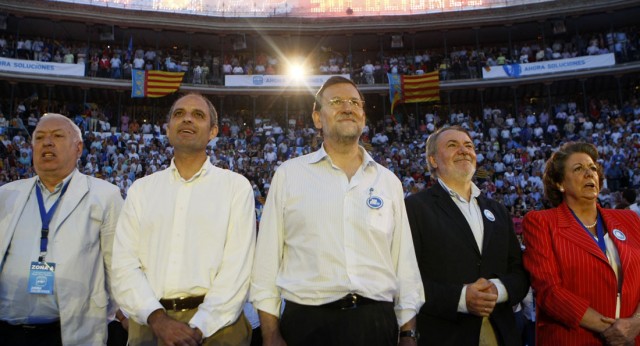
(334, 241)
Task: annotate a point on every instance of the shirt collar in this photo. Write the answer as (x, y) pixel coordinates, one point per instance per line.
(206, 167)
(475, 191)
(321, 154)
(58, 187)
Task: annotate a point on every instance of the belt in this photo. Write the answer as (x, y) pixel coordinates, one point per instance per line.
(31, 327)
(182, 303)
(350, 301)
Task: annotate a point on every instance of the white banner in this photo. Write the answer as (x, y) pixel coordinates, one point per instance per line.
(39, 67)
(259, 80)
(552, 66)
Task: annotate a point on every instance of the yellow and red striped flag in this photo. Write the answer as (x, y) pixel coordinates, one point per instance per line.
(154, 83)
(412, 89)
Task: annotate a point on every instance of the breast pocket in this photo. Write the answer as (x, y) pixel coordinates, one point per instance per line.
(380, 215)
(91, 233)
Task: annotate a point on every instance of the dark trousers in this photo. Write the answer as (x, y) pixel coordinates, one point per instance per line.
(529, 336)
(256, 337)
(30, 335)
(366, 325)
(117, 334)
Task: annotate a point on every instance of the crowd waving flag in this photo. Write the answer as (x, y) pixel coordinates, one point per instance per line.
(154, 83)
(412, 89)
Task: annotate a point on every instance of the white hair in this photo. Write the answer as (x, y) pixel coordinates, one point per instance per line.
(73, 125)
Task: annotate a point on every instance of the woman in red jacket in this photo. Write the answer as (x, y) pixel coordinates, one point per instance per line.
(584, 260)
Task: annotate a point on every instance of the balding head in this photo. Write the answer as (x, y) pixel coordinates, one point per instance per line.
(57, 146)
(77, 133)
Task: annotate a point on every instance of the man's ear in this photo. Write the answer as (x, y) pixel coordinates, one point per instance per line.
(80, 146)
(214, 132)
(316, 119)
(432, 161)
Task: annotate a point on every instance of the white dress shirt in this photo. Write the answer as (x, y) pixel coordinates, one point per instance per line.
(180, 238)
(471, 211)
(319, 240)
(614, 261)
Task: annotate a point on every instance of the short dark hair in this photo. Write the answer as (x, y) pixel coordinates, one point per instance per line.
(213, 121)
(317, 105)
(432, 146)
(554, 172)
(629, 195)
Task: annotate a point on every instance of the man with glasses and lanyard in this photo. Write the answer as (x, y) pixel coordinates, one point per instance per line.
(334, 241)
(56, 234)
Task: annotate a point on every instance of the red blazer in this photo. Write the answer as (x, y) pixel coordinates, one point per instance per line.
(569, 272)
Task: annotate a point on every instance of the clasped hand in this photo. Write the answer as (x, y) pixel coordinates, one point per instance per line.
(481, 297)
(172, 332)
(621, 332)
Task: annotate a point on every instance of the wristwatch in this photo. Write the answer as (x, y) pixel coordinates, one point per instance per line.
(411, 333)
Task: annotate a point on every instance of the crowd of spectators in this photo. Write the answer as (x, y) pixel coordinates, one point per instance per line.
(511, 150)
(204, 66)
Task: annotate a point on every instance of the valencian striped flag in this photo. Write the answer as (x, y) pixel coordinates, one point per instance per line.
(412, 89)
(154, 83)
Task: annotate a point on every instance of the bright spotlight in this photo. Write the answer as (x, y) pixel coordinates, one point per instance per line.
(297, 71)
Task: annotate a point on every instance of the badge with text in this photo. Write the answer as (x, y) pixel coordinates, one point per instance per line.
(41, 277)
(618, 234)
(489, 215)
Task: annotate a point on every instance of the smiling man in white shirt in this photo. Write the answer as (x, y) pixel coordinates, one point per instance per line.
(335, 241)
(185, 241)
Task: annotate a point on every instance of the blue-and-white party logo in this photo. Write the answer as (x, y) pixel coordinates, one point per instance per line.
(375, 202)
(512, 70)
(618, 234)
(489, 215)
(258, 80)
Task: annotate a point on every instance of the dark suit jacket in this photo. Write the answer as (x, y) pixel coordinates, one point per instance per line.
(448, 257)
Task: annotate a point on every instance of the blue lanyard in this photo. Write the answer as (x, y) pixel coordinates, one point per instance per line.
(46, 217)
(599, 232)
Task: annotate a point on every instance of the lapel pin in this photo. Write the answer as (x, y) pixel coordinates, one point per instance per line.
(618, 234)
(489, 215)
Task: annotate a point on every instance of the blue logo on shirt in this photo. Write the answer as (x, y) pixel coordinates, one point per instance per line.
(375, 202)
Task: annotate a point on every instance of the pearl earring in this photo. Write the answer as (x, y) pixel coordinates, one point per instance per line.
(561, 189)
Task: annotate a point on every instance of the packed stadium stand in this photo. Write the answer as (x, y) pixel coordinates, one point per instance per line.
(522, 76)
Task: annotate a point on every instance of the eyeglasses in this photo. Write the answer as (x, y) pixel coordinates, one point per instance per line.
(337, 102)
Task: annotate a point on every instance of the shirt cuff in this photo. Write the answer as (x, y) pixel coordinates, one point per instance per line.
(145, 312)
(269, 305)
(208, 324)
(503, 295)
(462, 302)
(404, 316)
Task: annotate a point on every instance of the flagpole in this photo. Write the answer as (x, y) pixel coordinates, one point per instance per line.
(153, 111)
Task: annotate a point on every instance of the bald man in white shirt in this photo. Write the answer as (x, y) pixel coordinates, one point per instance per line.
(185, 241)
